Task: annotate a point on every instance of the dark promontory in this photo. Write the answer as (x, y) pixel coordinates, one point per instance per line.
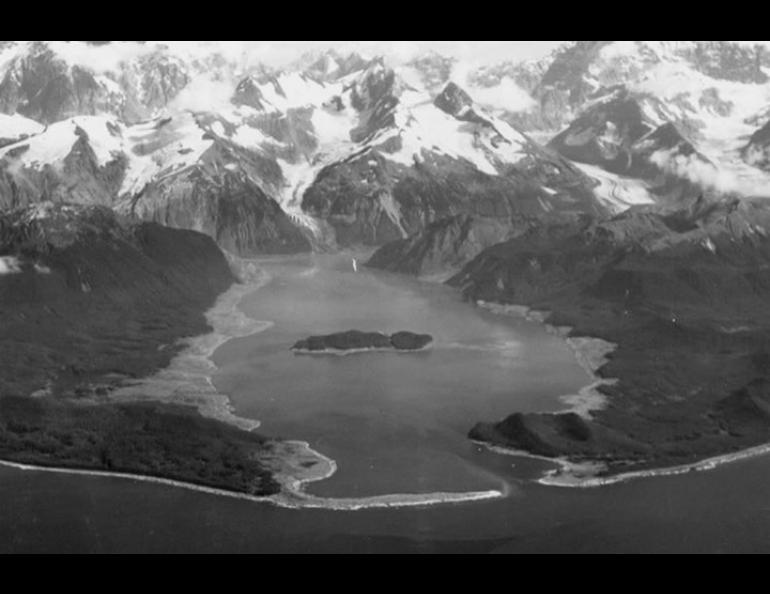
(89, 300)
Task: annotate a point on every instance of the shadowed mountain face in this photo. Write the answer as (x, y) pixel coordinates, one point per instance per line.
(45, 87)
(757, 152)
(340, 150)
(86, 294)
(564, 83)
(617, 135)
(567, 185)
(88, 302)
(346, 152)
(682, 294)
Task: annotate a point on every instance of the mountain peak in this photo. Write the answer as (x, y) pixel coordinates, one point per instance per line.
(248, 93)
(454, 100)
(330, 65)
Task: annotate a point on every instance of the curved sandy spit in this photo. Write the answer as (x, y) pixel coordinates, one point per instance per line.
(188, 381)
(575, 475)
(293, 495)
(592, 355)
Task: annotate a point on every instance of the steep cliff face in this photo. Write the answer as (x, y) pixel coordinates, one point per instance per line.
(43, 87)
(221, 195)
(429, 161)
(724, 60)
(618, 134)
(172, 171)
(681, 294)
(445, 246)
(339, 150)
(89, 301)
(714, 70)
(63, 165)
(50, 81)
(87, 298)
(757, 152)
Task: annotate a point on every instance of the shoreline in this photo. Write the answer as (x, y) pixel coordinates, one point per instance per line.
(188, 380)
(345, 353)
(293, 497)
(591, 354)
(577, 475)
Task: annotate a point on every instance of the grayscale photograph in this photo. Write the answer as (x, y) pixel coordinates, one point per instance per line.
(384, 297)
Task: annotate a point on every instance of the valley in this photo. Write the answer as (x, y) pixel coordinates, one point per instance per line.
(172, 223)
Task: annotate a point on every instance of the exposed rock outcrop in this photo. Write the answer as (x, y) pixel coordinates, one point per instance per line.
(682, 294)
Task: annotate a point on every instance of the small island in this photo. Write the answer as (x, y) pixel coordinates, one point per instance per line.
(355, 341)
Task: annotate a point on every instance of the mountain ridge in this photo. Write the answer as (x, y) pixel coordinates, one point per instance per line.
(284, 133)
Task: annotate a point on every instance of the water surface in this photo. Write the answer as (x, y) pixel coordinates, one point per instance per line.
(395, 423)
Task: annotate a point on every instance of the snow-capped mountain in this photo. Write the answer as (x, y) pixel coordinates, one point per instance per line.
(618, 135)
(331, 65)
(345, 149)
(257, 161)
(716, 94)
(16, 127)
(51, 81)
(757, 152)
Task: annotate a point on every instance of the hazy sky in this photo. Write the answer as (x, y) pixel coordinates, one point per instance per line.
(281, 52)
(477, 51)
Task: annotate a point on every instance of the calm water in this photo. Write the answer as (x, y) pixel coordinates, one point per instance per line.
(395, 424)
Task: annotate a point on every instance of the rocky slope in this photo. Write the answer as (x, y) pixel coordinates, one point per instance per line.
(713, 73)
(445, 246)
(429, 160)
(645, 122)
(682, 294)
(712, 92)
(87, 302)
(339, 150)
(615, 134)
(757, 152)
(52, 81)
(172, 171)
(85, 293)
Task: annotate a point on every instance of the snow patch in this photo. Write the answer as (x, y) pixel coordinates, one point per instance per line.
(723, 178)
(618, 193)
(709, 245)
(14, 127)
(9, 265)
(55, 143)
(507, 96)
(426, 127)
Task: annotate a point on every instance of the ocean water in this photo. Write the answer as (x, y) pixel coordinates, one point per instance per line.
(395, 424)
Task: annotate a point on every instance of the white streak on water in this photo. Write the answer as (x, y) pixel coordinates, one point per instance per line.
(591, 355)
(188, 381)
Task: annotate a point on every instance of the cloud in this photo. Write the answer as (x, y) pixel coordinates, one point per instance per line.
(507, 95)
(708, 175)
(100, 58)
(203, 94)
